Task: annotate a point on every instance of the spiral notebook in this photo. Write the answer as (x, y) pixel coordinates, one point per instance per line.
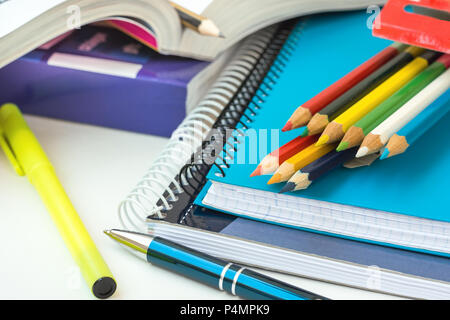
(164, 201)
(398, 202)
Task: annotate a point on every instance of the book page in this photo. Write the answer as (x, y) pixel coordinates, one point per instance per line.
(16, 13)
(197, 6)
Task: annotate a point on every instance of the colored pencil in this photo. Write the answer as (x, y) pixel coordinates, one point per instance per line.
(304, 177)
(356, 133)
(417, 127)
(321, 119)
(378, 137)
(298, 161)
(352, 137)
(272, 161)
(303, 113)
(361, 162)
(336, 129)
(197, 22)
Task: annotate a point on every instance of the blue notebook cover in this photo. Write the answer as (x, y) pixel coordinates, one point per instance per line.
(330, 46)
(152, 101)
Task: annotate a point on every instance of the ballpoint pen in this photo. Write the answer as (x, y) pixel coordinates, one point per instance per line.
(28, 158)
(209, 270)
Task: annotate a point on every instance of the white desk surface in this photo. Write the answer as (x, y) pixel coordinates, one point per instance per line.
(97, 167)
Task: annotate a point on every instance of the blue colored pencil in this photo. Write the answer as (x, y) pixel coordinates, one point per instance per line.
(304, 177)
(414, 129)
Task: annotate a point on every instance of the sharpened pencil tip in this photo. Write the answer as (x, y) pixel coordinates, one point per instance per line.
(288, 187)
(362, 152)
(385, 154)
(257, 172)
(342, 146)
(221, 35)
(322, 140)
(275, 178)
(287, 126)
(303, 131)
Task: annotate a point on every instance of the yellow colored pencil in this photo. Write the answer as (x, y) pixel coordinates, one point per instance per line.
(336, 129)
(288, 168)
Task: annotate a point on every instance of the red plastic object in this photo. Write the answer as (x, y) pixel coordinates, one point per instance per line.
(395, 23)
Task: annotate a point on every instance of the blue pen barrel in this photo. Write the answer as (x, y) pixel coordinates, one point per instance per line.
(216, 273)
(183, 260)
(253, 285)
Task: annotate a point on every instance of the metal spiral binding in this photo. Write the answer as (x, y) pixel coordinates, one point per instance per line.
(240, 111)
(160, 187)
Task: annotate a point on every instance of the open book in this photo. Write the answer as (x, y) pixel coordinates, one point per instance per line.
(27, 24)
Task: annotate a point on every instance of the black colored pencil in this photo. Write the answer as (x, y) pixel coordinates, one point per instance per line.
(197, 22)
(304, 177)
(321, 119)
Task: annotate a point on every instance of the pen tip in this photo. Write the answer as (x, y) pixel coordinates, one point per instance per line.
(275, 179)
(287, 126)
(304, 131)
(322, 140)
(342, 146)
(288, 187)
(257, 171)
(362, 152)
(385, 154)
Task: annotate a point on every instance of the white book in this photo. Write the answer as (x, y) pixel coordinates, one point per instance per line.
(27, 24)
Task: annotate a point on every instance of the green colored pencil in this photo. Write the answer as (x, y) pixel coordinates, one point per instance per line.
(355, 134)
(321, 119)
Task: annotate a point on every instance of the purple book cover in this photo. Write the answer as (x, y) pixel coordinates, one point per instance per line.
(99, 76)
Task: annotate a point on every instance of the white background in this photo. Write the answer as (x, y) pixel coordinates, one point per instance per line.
(97, 167)
(16, 13)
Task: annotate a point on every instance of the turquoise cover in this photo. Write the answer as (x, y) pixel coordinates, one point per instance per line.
(329, 46)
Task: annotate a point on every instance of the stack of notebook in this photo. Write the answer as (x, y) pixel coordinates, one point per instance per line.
(387, 203)
(383, 227)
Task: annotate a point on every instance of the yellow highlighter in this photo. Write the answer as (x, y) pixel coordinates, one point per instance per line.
(28, 158)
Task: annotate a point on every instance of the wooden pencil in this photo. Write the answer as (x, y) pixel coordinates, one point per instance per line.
(321, 119)
(303, 113)
(336, 129)
(361, 162)
(417, 127)
(272, 161)
(356, 133)
(378, 137)
(354, 136)
(298, 161)
(197, 22)
(303, 178)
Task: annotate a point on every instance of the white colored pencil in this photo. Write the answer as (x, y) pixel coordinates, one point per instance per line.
(380, 135)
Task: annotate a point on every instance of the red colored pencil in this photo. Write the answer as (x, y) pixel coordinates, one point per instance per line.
(273, 160)
(303, 114)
